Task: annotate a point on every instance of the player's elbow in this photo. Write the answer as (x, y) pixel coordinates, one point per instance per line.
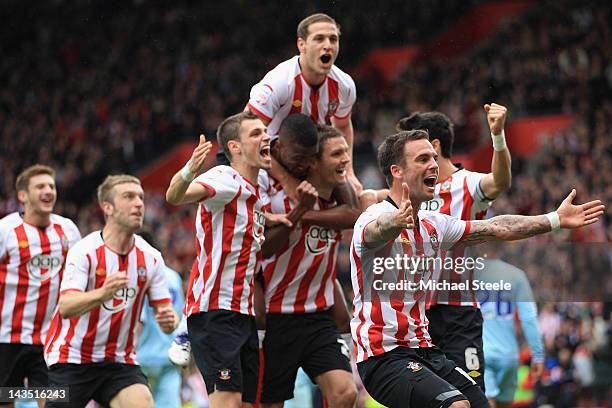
(171, 198)
(65, 308)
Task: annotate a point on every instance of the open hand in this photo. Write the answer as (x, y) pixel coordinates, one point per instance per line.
(575, 216)
(196, 162)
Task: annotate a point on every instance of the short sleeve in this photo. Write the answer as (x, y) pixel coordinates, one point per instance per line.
(348, 96)
(267, 96)
(358, 231)
(3, 239)
(176, 291)
(454, 230)
(74, 235)
(481, 201)
(76, 273)
(158, 289)
(221, 183)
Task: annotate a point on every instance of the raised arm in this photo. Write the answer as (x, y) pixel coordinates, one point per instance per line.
(74, 303)
(389, 225)
(515, 227)
(500, 177)
(276, 236)
(181, 189)
(343, 216)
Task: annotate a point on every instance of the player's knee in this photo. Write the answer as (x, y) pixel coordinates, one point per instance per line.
(343, 396)
(460, 404)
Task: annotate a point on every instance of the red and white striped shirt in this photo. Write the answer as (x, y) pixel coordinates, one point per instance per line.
(284, 91)
(386, 319)
(459, 196)
(109, 331)
(31, 267)
(229, 234)
(299, 278)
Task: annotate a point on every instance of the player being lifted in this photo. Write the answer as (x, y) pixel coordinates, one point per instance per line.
(33, 247)
(397, 360)
(454, 317)
(90, 346)
(299, 277)
(230, 231)
(309, 83)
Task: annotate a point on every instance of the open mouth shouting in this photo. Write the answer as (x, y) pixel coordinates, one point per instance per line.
(326, 60)
(264, 153)
(430, 182)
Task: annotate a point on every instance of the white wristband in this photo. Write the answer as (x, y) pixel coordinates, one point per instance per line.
(555, 222)
(499, 141)
(187, 175)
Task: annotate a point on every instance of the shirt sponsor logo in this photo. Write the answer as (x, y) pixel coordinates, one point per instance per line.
(42, 267)
(317, 235)
(259, 222)
(124, 296)
(432, 205)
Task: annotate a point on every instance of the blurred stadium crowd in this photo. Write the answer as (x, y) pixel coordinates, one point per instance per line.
(92, 90)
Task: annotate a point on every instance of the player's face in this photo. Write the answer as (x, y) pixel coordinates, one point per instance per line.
(295, 158)
(128, 206)
(334, 161)
(255, 144)
(41, 194)
(321, 47)
(421, 169)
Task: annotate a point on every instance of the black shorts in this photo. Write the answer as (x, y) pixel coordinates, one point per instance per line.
(97, 381)
(20, 361)
(457, 331)
(417, 378)
(226, 350)
(307, 340)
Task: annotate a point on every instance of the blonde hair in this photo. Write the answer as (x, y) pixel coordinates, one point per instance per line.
(106, 189)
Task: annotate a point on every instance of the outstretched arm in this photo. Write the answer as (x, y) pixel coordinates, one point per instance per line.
(500, 177)
(181, 190)
(389, 225)
(515, 227)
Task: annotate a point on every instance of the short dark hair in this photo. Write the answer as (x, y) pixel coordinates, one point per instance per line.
(303, 27)
(23, 179)
(229, 129)
(437, 124)
(391, 151)
(326, 132)
(299, 129)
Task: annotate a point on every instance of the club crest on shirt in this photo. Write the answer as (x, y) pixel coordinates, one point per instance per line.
(225, 374)
(333, 106)
(319, 239)
(414, 366)
(445, 187)
(42, 266)
(435, 242)
(142, 273)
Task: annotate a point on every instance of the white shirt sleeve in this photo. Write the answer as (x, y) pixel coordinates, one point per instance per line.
(454, 229)
(158, 289)
(358, 231)
(267, 96)
(481, 202)
(74, 234)
(76, 274)
(263, 183)
(348, 96)
(222, 185)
